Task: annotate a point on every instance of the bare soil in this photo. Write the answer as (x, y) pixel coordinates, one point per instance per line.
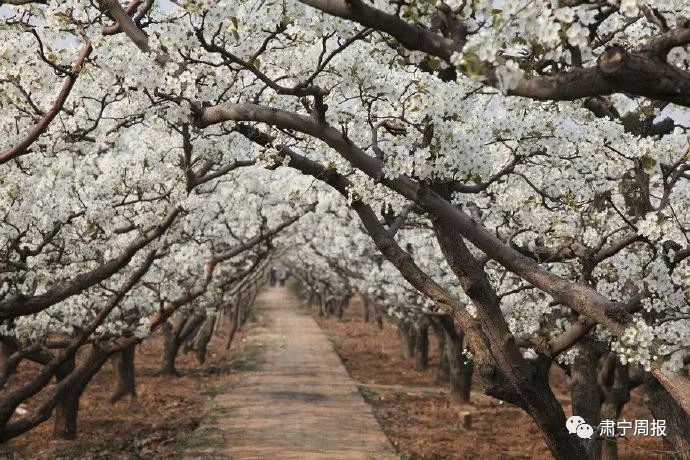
(155, 424)
(414, 411)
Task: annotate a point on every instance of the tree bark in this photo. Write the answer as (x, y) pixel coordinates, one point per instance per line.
(366, 314)
(323, 303)
(203, 338)
(170, 348)
(5, 352)
(442, 367)
(585, 392)
(175, 335)
(70, 385)
(234, 324)
(321, 306)
(616, 385)
(187, 345)
(460, 371)
(310, 299)
(7, 368)
(664, 407)
(421, 330)
(408, 337)
(379, 316)
(340, 306)
(67, 408)
(123, 363)
(328, 307)
(243, 313)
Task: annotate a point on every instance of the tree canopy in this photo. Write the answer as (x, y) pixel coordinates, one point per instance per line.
(523, 166)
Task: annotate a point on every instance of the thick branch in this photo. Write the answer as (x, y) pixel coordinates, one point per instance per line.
(409, 35)
(642, 72)
(126, 23)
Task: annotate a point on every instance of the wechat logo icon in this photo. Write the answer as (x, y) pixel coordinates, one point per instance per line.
(576, 425)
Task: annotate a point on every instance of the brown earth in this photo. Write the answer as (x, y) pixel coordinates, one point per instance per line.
(415, 413)
(155, 424)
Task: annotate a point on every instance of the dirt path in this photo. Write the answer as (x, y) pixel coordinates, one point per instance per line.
(300, 402)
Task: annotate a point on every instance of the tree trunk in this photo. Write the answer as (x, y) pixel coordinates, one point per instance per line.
(321, 304)
(6, 371)
(365, 310)
(379, 316)
(585, 392)
(169, 356)
(616, 385)
(328, 307)
(188, 343)
(442, 367)
(123, 363)
(421, 329)
(408, 338)
(242, 317)
(460, 369)
(175, 336)
(170, 348)
(67, 408)
(234, 323)
(376, 310)
(340, 307)
(664, 407)
(310, 299)
(5, 352)
(203, 338)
